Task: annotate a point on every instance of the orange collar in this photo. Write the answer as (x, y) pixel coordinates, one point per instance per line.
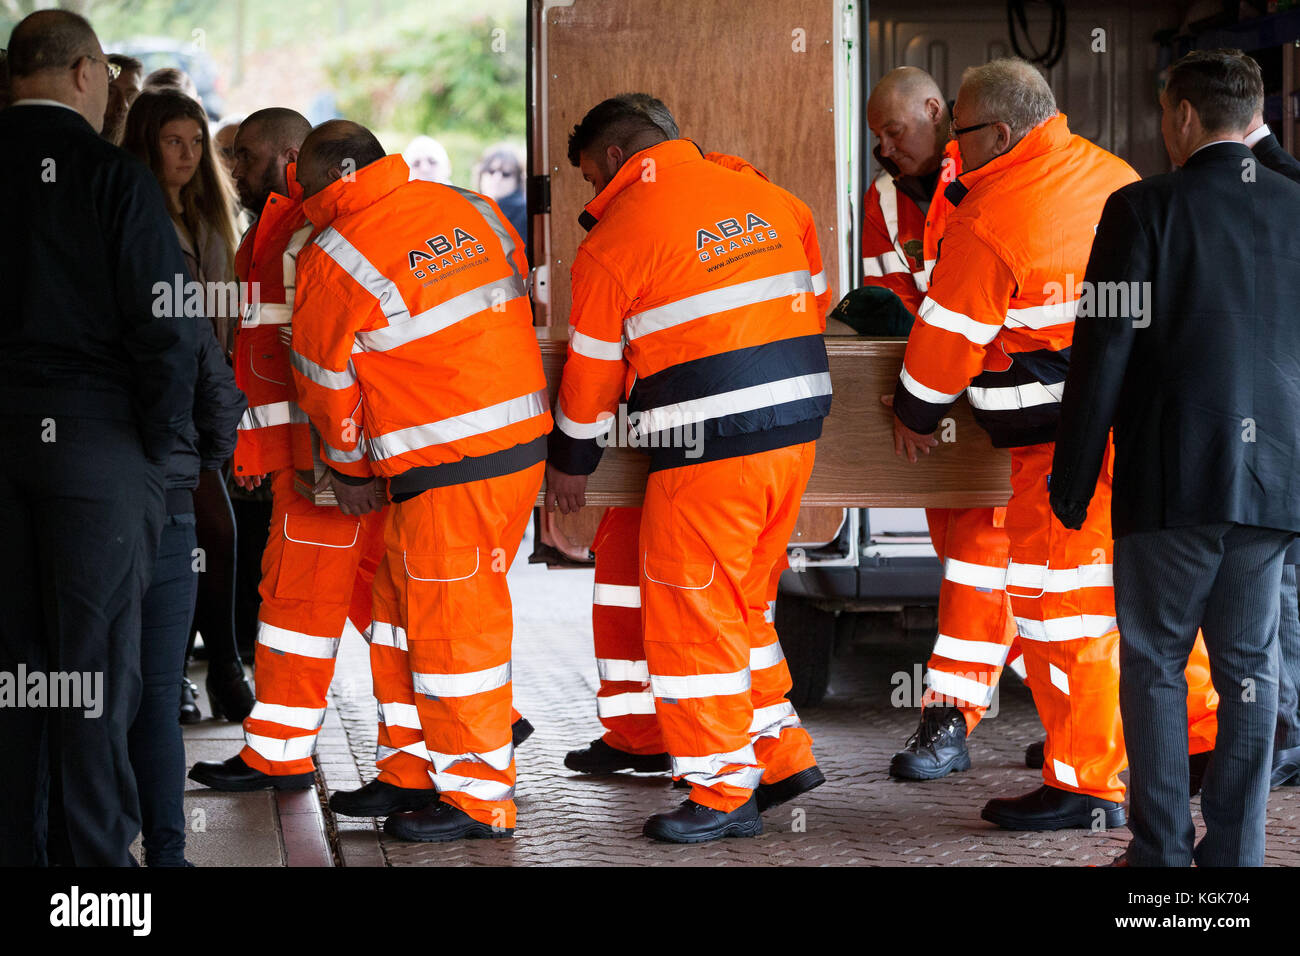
(367, 186)
(672, 152)
(1042, 139)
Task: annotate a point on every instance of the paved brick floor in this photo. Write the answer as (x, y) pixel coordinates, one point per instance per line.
(860, 816)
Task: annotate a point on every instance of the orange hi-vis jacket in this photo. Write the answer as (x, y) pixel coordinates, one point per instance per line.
(699, 295)
(413, 343)
(274, 433)
(900, 240)
(998, 319)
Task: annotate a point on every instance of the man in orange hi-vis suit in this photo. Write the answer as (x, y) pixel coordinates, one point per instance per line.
(997, 325)
(714, 280)
(416, 361)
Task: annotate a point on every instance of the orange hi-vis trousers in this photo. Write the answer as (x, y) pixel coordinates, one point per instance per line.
(316, 577)
(624, 703)
(441, 595)
(713, 546)
(977, 631)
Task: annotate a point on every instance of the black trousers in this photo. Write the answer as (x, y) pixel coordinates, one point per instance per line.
(81, 510)
(1225, 579)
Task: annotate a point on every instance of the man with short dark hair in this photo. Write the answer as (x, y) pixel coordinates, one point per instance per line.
(1203, 395)
(97, 383)
(126, 86)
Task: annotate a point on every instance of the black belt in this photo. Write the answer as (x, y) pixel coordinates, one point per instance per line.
(505, 462)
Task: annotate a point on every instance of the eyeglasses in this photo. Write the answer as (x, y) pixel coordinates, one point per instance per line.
(114, 71)
(963, 130)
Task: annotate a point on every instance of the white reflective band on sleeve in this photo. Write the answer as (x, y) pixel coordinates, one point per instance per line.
(581, 431)
(475, 787)
(293, 642)
(770, 614)
(734, 402)
(959, 688)
(924, 392)
(625, 705)
(388, 635)
(1060, 680)
(713, 763)
(1017, 664)
(1060, 580)
(323, 376)
(613, 669)
(700, 685)
(977, 333)
(714, 301)
(304, 718)
(394, 713)
(416, 749)
(498, 759)
(616, 595)
(922, 280)
(1066, 628)
(770, 721)
(281, 751)
(461, 685)
(442, 316)
(819, 284)
(351, 261)
(268, 416)
(1011, 397)
(477, 422)
(971, 652)
(877, 267)
(1044, 316)
(596, 348)
(767, 656)
(1065, 773)
(993, 577)
(267, 313)
(330, 453)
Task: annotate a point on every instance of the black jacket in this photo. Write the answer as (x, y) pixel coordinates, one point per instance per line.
(1270, 152)
(86, 240)
(1205, 400)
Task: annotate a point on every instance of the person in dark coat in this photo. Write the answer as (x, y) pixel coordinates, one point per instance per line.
(96, 386)
(1187, 344)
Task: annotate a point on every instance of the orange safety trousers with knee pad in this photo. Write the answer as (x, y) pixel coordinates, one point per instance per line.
(441, 595)
(624, 703)
(713, 545)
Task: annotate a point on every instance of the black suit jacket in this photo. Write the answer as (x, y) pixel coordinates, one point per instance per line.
(1205, 399)
(1270, 152)
(87, 240)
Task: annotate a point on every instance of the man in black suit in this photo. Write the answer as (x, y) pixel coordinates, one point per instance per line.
(97, 378)
(1200, 377)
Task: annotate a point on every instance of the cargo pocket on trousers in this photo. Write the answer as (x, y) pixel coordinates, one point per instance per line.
(315, 558)
(442, 594)
(681, 600)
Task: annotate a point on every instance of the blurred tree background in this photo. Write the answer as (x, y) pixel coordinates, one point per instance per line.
(442, 68)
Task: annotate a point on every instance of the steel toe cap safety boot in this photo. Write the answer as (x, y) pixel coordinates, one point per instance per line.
(600, 757)
(235, 776)
(440, 823)
(379, 799)
(937, 749)
(695, 823)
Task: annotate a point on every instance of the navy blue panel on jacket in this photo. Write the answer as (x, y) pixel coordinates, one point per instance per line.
(993, 397)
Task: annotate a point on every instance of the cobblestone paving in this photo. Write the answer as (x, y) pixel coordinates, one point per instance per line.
(859, 817)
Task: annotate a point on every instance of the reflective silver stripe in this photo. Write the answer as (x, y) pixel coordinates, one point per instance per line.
(596, 348)
(304, 718)
(625, 705)
(819, 284)
(277, 750)
(924, 392)
(877, 267)
(477, 422)
(394, 713)
(700, 685)
(746, 777)
(612, 669)
(388, 635)
(767, 656)
(1011, 397)
(462, 685)
(616, 595)
(1066, 628)
(971, 652)
(581, 430)
(416, 749)
(977, 333)
(1064, 773)
(770, 614)
(713, 763)
(334, 454)
(1060, 680)
(485, 210)
(698, 306)
(475, 787)
(1060, 580)
(498, 759)
(351, 261)
(323, 376)
(442, 316)
(734, 402)
(271, 415)
(770, 721)
(959, 688)
(993, 577)
(1017, 664)
(1044, 316)
(294, 642)
(267, 313)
